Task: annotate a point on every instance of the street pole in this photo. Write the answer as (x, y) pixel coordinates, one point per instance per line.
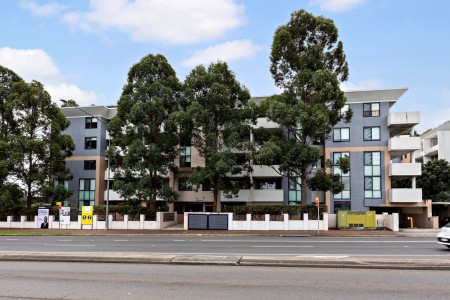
(318, 215)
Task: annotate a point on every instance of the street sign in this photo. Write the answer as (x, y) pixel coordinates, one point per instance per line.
(317, 201)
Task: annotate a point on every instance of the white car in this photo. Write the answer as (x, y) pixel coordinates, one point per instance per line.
(443, 236)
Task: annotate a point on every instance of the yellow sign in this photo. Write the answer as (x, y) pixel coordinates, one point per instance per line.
(86, 215)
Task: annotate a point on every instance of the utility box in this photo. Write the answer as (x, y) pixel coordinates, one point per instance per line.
(356, 219)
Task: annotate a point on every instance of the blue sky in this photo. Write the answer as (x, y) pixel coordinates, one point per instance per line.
(83, 49)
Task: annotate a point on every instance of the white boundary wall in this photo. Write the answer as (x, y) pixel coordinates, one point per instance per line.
(125, 224)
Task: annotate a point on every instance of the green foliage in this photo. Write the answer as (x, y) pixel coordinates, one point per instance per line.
(308, 63)
(435, 180)
(144, 136)
(32, 146)
(69, 103)
(132, 211)
(217, 115)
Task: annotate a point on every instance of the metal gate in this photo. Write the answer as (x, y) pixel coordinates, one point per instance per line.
(208, 221)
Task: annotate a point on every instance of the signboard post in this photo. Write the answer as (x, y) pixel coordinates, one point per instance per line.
(58, 205)
(318, 215)
(86, 215)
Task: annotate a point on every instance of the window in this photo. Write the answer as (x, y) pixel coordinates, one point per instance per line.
(185, 156)
(433, 142)
(345, 177)
(372, 174)
(90, 143)
(372, 133)
(87, 189)
(295, 190)
(372, 109)
(90, 123)
(184, 184)
(344, 110)
(341, 134)
(207, 186)
(342, 205)
(90, 164)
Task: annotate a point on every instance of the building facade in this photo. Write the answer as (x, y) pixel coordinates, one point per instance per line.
(374, 140)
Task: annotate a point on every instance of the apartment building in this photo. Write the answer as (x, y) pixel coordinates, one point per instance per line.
(374, 140)
(435, 144)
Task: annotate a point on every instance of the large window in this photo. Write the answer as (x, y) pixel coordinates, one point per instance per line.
(295, 190)
(185, 156)
(345, 177)
(91, 122)
(372, 133)
(343, 110)
(90, 164)
(90, 143)
(341, 134)
(372, 109)
(372, 175)
(184, 184)
(86, 193)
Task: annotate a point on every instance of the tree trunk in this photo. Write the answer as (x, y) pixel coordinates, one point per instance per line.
(29, 198)
(304, 187)
(217, 203)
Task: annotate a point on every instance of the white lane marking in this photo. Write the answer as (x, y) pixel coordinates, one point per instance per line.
(283, 246)
(179, 240)
(59, 245)
(315, 241)
(328, 256)
(64, 240)
(12, 239)
(120, 240)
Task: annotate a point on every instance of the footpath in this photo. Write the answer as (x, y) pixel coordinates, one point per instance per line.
(321, 261)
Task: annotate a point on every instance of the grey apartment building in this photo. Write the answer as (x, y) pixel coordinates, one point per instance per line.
(375, 139)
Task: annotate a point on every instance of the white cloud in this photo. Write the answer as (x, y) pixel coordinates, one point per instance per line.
(71, 91)
(337, 6)
(170, 21)
(46, 10)
(229, 51)
(36, 64)
(372, 84)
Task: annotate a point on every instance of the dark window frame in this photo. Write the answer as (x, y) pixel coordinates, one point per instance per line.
(340, 134)
(371, 112)
(184, 185)
(366, 177)
(371, 133)
(90, 165)
(90, 143)
(89, 123)
(342, 174)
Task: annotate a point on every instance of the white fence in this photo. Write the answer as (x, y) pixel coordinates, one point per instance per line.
(267, 224)
(163, 220)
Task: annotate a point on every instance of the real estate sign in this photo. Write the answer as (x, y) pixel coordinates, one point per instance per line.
(43, 212)
(86, 215)
(64, 216)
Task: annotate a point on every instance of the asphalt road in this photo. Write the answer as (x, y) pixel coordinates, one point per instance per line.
(34, 280)
(391, 247)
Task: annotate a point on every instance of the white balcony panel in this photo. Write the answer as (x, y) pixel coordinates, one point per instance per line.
(405, 169)
(401, 121)
(113, 196)
(265, 171)
(264, 122)
(402, 145)
(406, 195)
(256, 196)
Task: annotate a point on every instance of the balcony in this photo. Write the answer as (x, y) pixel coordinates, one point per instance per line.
(256, 196)
(402, 145)
(405, 169)
(265, 171)
(113, 196)
(398, 122)
(406, 195)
